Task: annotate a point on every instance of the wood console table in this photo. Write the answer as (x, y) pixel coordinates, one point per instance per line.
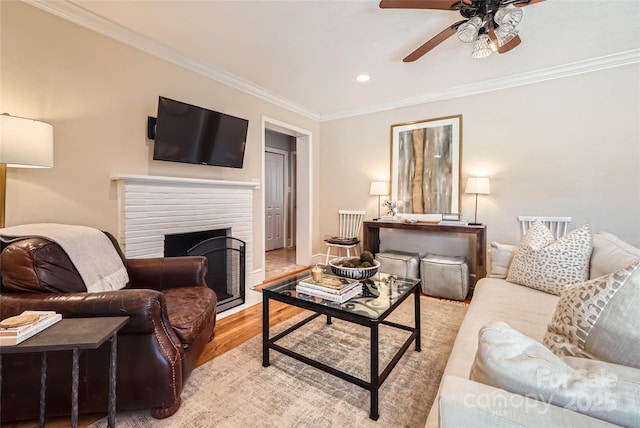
(371, 238)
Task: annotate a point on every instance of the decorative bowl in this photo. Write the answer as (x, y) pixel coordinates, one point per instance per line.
(353, 273)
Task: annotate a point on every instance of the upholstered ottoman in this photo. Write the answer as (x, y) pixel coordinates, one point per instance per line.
(399, 263)
(445, 276)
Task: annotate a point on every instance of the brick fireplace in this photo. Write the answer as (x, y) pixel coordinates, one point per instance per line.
(152, 207)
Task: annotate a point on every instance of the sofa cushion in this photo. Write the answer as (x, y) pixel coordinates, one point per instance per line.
(501, 257)
(599, 319)
(465, 403)
(493, 300)
(610, 254)
(510, 360)
(550, 265)
(189, 310)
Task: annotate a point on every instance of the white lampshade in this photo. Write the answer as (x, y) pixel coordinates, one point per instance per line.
(25, 143)
(379, 188)
(482, 47)
(468, 32)
(509, 17)
(478, 185)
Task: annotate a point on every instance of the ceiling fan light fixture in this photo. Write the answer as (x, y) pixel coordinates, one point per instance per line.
(482, 46)
(508, 16)
(468, 32)
(504, 36)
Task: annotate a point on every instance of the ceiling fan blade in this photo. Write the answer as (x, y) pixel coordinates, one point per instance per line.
(510, 45)
(435, 41)
(422, 4)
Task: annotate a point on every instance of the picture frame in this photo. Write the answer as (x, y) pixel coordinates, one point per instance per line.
(426, 186)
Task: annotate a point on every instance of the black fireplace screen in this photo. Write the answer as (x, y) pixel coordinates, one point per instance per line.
(226, 275)
(225, 259)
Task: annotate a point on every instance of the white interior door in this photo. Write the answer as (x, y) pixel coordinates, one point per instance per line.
(274, 200)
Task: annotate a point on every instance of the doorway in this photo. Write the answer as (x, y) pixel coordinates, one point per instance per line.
(279, 205)
(276, 198)
(287, 230)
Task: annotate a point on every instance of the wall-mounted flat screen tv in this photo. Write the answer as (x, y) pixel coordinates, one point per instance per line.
(190, 134)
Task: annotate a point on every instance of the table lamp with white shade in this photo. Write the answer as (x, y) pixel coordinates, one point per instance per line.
(379, 188)
(477, 186)
(24, 143)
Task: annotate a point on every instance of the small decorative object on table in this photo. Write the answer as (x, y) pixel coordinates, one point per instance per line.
(316, 273)
(452, 219)
(392, 207)
(356, 268)
(18, 328)
(451, 216)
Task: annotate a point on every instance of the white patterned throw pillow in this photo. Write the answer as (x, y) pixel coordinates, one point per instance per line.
(509, 360)
(599, 319)
(550, 265)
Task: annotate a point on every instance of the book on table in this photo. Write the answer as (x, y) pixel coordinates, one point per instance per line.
(329, 284)
(454, 222)
(16, 329)
(353, 291)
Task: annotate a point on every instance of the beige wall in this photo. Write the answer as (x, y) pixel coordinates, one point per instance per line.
(97, 94)
(566, 147)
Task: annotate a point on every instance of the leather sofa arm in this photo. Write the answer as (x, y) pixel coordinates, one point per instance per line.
(143, 307)
(162, 273)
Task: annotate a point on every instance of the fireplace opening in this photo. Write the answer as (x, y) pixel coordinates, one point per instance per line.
(225, 259)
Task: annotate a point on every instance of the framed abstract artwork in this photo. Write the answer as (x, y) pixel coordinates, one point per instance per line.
(425, 167)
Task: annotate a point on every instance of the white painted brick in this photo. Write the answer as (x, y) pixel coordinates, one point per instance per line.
(150, 210)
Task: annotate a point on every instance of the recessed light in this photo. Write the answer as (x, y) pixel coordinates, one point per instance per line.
(363, 77)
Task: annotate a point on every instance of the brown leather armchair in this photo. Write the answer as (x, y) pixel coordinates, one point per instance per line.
(172, 317)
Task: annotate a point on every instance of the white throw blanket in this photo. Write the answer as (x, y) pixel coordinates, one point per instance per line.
(89, 249)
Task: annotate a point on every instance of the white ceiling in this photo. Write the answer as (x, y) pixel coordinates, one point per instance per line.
(305, 54)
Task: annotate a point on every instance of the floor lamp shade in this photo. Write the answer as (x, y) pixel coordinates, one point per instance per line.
(24, 143)
(379, 188)
(477, 186)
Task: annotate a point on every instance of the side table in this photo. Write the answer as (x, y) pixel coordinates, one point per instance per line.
(73, 334)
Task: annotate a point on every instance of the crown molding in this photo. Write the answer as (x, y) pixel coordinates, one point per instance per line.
(78, 15)
(528, 78)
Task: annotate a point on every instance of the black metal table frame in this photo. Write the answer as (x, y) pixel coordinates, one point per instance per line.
(376, 377)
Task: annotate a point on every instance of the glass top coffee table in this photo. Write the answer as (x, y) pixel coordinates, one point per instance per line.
(381, 295)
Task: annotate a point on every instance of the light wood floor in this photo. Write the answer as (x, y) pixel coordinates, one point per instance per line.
(231, 332)
(281, 262)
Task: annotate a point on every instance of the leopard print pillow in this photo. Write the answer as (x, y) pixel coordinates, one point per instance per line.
(550, 265)
(598, 319)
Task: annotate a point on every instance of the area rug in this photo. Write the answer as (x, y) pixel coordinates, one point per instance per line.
(234, 390)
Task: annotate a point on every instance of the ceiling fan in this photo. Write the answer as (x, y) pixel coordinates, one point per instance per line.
(489, 24)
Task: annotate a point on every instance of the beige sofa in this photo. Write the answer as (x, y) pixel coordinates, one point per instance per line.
(462, 402)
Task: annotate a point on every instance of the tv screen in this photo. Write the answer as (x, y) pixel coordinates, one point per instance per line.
(190, 134)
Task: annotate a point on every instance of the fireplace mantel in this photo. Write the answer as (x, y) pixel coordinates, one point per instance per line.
(158, 179)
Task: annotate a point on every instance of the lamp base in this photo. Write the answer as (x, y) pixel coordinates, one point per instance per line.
(474, 224)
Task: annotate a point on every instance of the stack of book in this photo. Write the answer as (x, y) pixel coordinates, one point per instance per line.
(454, 222)
(330, 287)
(21, 327)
